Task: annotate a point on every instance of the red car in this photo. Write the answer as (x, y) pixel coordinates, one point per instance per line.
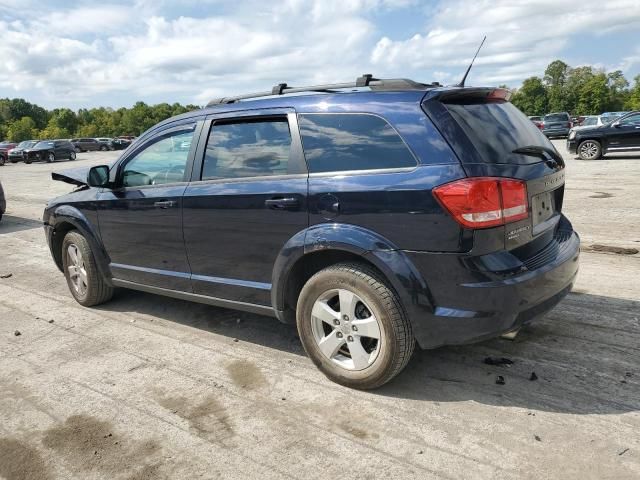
(4, 149)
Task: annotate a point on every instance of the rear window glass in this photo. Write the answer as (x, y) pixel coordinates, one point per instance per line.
(343, 142)
(557, 117)
(496, 129)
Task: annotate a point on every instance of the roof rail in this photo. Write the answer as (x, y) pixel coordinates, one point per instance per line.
(366, 80)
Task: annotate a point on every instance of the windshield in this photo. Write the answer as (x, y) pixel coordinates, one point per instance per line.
(44, 144)
(556, 117)
(26, 144)
(496, 129)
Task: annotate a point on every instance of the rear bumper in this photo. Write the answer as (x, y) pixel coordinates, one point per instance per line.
(556, 132)
(472, 305)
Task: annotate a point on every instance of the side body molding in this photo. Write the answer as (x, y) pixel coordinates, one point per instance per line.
(393, 263)
(71, 215)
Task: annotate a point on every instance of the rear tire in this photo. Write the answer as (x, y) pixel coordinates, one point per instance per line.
(589, 150)
(51, 157)
(72, 155)
(104, 148)
(85, 283)
(353, 327)
(1, 160)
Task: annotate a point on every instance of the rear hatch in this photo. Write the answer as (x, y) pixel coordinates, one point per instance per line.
(493, 139)
(556, 121)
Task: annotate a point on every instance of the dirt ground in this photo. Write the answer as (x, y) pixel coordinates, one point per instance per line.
(146, 387)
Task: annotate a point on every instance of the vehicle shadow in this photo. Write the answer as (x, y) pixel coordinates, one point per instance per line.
(584, 354)
(11, 224)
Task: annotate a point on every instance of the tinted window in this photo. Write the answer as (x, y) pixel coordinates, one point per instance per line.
(162, 161)
(44, 144)
(341, 142)
(496, 129)
(557, 117)
(631, 120)
(590, 121)
(247, 149)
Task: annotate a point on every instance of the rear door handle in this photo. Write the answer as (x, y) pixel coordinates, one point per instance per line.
(164, 204)
(282, 203)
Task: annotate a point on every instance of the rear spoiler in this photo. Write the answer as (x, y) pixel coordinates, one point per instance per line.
(457, 94)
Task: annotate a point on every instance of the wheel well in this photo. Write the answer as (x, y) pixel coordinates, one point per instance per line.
(57, 238)
(311, 264)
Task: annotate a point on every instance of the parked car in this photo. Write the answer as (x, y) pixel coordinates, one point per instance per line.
(49, 151)
(3, 202)
(373, 219)
(556, 124)
(86, 144)
(537, 121)
(119, 144)
(15, 154)
(622, 135)
(105, 143)
(130, 138)
(4, 149)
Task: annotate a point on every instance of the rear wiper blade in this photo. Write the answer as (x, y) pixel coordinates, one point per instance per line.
(539, 151)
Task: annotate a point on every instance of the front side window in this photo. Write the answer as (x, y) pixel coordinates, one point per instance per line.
(247, 149)
(343, 142)
(162, 161)
(631, 120)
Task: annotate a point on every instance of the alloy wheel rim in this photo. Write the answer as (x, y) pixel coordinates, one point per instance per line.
(345, 329)
(77, 270)
(589, 149)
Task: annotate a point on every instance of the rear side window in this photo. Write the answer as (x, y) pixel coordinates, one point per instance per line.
(556, 117)
(496, 129)
(346, 141)
(247, 149)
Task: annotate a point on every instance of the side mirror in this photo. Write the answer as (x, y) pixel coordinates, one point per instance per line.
(98, 176)
(616, 124)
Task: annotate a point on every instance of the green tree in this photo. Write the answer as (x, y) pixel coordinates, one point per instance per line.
(23, 129)
(53, 131)
(593, 96)
(65, 119)
(633, 101)
(555, 77)
(531, 98)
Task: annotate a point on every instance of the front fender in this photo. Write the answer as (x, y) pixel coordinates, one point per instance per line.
(393, 263)
(58, 220)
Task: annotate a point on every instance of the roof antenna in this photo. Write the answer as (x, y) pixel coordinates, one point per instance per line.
(461, 84)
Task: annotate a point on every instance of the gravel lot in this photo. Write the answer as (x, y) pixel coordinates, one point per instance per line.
(147, 387)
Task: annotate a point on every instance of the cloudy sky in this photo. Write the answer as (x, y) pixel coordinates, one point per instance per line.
(113, 53)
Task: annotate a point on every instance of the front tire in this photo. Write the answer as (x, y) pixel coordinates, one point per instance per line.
(72, 155)
(85, 283)
(51, 157)
(589, 150)
(353, 327)
(1, 160)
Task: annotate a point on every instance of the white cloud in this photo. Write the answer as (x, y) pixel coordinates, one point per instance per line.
(522, 37)
(84, 53)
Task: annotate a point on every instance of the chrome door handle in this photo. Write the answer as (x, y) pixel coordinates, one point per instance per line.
(164, 204)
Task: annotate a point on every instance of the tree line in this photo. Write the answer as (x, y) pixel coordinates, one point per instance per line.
(21, 120)
(580, 91)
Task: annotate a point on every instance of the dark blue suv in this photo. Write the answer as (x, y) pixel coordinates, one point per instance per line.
(374, 215)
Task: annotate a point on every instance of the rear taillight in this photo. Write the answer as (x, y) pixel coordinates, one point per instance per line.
(484, 202)
(569, 125)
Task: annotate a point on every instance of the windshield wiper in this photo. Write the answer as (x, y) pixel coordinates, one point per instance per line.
(540, 151)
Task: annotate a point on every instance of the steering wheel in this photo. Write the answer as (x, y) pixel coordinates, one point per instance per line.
(163, 177)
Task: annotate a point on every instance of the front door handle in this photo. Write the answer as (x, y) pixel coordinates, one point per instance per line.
(282, 203)
(164, 204)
